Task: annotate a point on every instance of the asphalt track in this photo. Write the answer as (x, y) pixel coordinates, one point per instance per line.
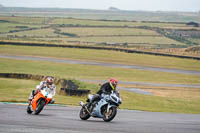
(60, 119)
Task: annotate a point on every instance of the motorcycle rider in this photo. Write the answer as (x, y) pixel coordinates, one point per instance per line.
(106, 88)
(49, 83)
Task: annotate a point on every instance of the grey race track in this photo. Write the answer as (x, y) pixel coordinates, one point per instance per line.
(59, 119)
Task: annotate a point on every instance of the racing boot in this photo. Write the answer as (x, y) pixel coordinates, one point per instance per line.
(52, 101)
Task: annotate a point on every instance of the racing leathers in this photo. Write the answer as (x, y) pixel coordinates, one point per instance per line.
(105, 89)
(42, 85)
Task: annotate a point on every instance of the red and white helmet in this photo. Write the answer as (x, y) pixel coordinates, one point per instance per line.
(49, 80)
(113, 83)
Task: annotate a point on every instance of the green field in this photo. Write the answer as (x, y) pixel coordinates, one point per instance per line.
(111, 23)
(150, 40)
(129, 34)
(24, 20)
(85, 22)
(108, 31)
(33, 33)
(7, 27)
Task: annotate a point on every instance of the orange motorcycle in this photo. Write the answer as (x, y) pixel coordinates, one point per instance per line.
(39, 101)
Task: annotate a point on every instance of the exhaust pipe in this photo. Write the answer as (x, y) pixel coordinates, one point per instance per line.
(83, 105)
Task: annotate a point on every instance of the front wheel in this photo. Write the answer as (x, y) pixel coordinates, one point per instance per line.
(110, 115)
(84, 115)
(40, 106)
(29, 111)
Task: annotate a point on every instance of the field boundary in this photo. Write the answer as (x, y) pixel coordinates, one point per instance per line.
(96, 48)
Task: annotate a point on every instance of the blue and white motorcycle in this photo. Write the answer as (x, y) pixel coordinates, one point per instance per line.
(105, 108)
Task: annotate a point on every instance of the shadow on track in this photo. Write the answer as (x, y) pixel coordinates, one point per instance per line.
(41, 115)
(97, 121)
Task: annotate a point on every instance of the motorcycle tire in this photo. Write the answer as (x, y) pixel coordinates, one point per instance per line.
(111, 116)
(29, 111)
(84, 115)
(40, 106)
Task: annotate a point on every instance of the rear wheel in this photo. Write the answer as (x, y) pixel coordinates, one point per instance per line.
(84, 115)
(110, 115)
(40, 106)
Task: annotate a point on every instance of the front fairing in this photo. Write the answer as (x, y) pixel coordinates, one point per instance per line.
(97, 109)
(35, 100)
(107, 101)
(115, 98)
(44, 93)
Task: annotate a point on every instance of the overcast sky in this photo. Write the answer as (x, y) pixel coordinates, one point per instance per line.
(148, 5)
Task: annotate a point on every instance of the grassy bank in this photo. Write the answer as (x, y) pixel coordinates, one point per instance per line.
(159, 104)
(18, 90)
(103, 56)
(76, 71)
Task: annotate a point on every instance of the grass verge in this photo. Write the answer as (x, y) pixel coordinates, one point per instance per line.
(104, 56)
(159, 104)
(18, 90)
(75, 71)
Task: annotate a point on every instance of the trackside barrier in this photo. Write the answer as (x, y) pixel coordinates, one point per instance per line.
(96, 48)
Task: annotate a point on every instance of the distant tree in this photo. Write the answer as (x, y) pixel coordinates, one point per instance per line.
(113, 9)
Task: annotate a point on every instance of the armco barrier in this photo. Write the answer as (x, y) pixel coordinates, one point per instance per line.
(22, 76)
(72, 92)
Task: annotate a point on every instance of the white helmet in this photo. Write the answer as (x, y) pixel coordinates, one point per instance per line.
(49, 80)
